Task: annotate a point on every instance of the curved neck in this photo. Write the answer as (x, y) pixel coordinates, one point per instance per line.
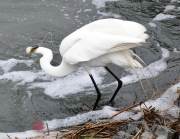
(62, 70)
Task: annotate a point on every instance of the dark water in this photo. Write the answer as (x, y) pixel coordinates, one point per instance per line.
(27, 22)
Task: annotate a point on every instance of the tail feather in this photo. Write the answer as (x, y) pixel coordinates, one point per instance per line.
(125, 46)
(130, 61)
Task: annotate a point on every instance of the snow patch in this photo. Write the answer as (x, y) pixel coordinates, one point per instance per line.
(162, 16)
(169, 8)
(101, 3)
(7, 65)
(109, 14)
(152, 24)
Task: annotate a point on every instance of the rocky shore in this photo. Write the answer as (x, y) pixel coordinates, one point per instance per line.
(134, 130)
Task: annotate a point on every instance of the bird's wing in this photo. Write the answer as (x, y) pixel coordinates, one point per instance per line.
(94, 44)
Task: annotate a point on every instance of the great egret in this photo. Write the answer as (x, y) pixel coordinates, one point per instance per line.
(96, 45)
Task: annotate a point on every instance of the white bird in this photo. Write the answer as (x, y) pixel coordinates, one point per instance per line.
(96, 45)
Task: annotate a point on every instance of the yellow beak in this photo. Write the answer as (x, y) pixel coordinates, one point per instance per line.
(33, 49)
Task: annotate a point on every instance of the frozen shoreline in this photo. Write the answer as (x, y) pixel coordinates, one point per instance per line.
(160, 104)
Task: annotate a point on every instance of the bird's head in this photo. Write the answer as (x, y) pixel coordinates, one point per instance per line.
(31, 49)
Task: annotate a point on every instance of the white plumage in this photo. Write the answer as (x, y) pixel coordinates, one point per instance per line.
(96, 45)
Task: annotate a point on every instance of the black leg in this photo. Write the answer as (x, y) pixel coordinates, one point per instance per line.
(98, 92)
(119, 84)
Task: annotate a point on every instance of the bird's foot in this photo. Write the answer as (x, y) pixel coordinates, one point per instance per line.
(108, 103)
(90, 108)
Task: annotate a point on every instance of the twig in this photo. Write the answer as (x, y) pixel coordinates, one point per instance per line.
(57, 136)
(99, 131)
(87, 105)
(138, 133)
(47, 128)
(125, 110)
(8, 136)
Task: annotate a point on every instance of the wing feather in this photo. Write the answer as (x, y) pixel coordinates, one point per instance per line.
(94, 44)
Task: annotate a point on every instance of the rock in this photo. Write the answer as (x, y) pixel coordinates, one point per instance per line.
(122, 135)
(156, 131)
(176, 135)
(163, 132)
(133, 128)
(147, 135)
